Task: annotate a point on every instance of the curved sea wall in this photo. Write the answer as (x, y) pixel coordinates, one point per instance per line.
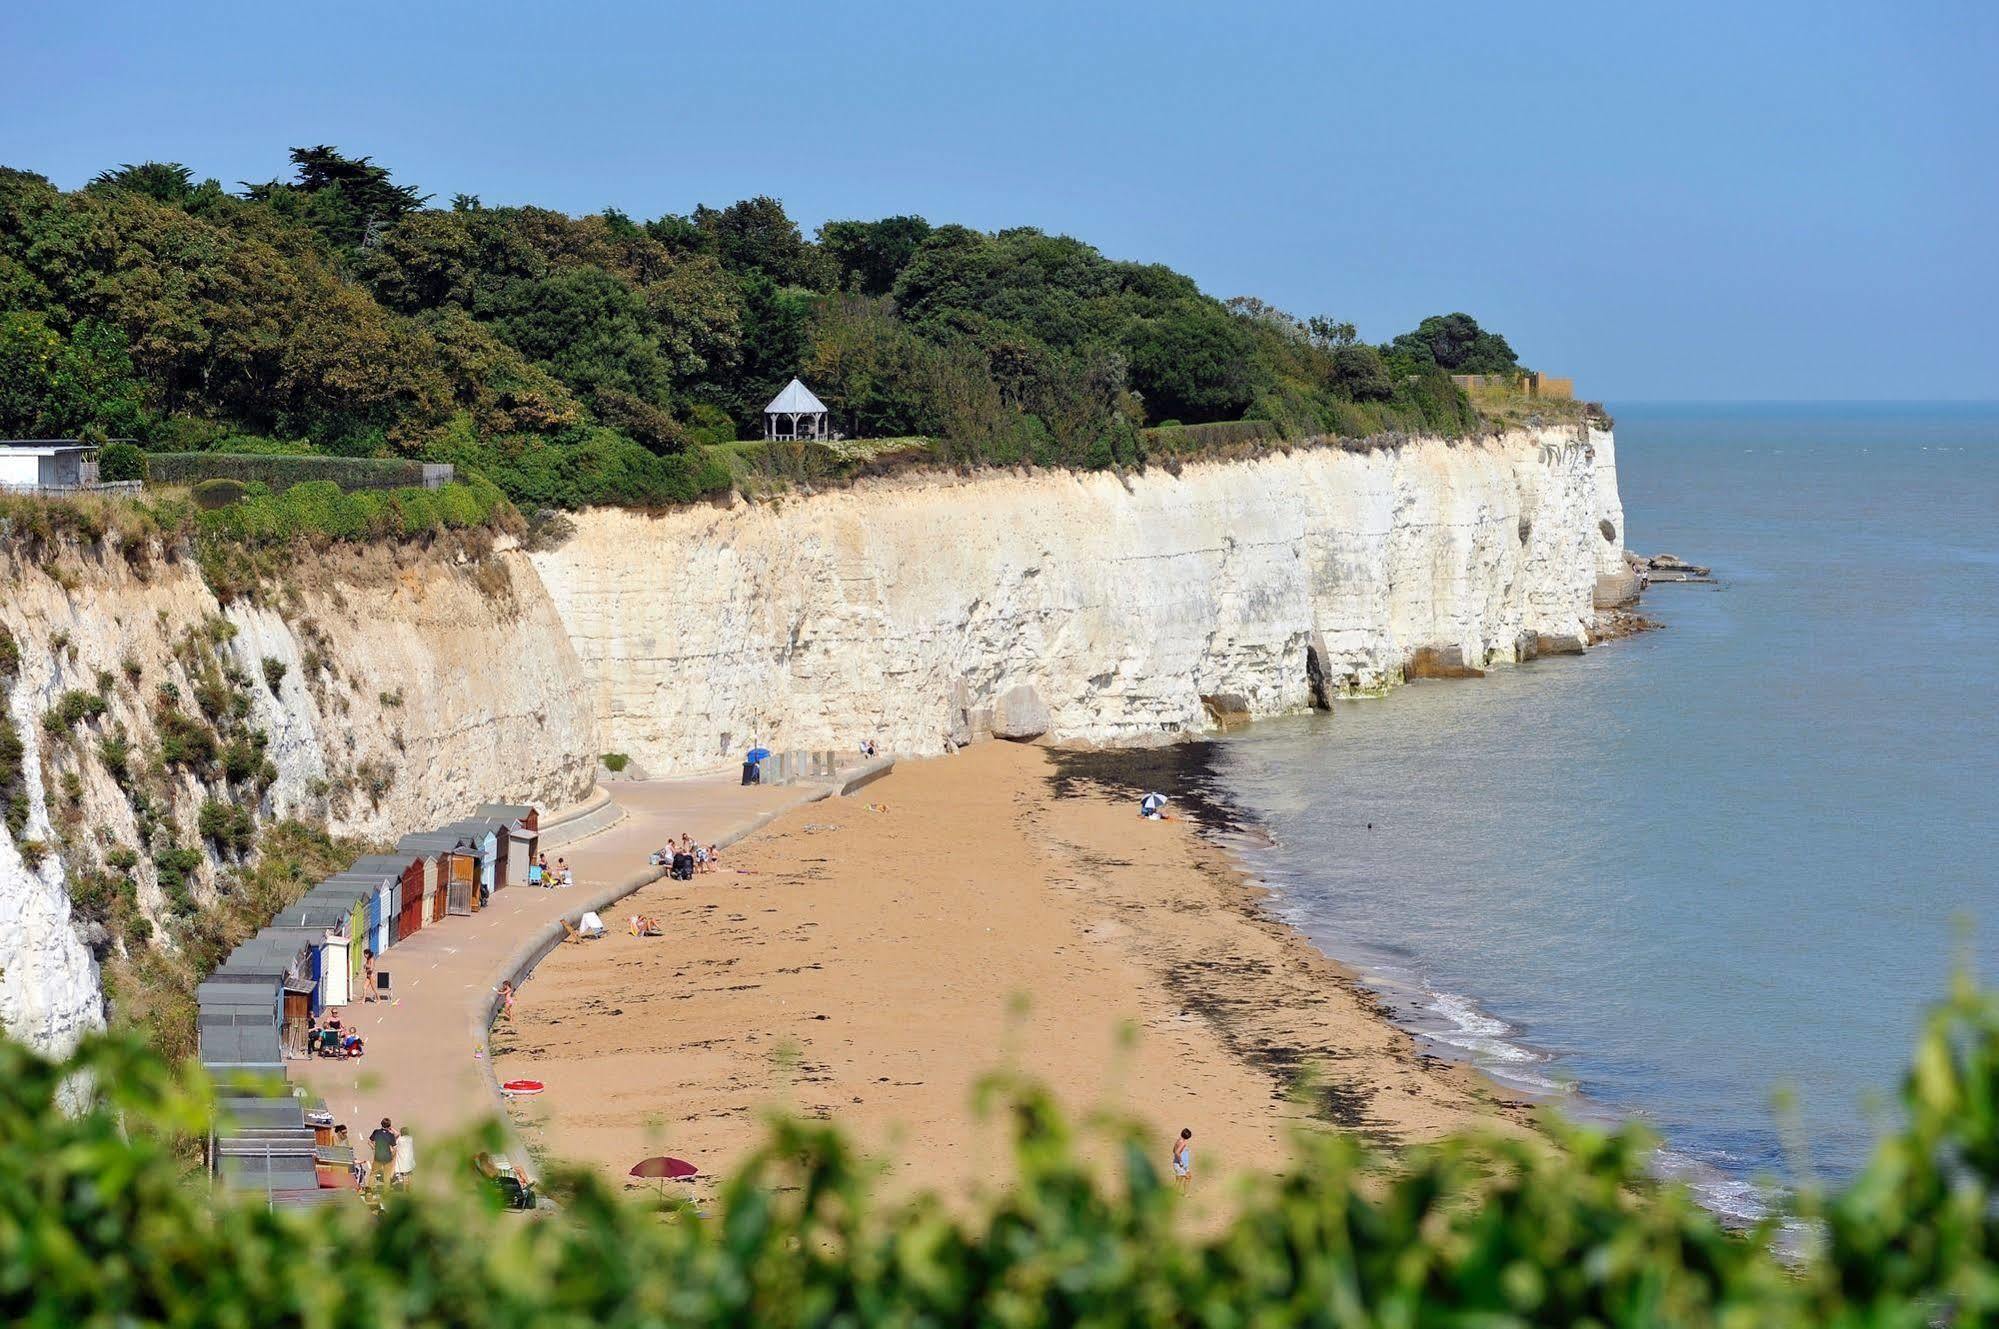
(928, 612)
(387, 692)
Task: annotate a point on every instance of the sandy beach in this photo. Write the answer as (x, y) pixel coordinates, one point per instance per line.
(870, 959)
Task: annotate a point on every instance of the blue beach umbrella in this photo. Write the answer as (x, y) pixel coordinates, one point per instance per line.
(756, 754)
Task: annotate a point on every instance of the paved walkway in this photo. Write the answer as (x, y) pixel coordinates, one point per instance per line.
(425, 1065)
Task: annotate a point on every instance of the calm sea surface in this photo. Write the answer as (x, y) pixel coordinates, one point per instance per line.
(1716, 869)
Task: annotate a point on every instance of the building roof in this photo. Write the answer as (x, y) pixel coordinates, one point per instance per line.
(387, 865)
(508, 812)
(329, 909)
(439, 842)
(227, 992)
(236, 1046)
(44, 447)
(796, 399)
(477, 827)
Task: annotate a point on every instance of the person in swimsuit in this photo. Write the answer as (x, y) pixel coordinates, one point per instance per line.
(1183, 1159)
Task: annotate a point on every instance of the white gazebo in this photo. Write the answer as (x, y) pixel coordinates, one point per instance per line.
(795, 413)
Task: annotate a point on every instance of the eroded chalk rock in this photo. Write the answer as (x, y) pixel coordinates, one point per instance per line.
(1020, 714)
(1440, 662)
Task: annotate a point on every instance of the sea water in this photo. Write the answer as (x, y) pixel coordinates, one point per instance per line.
(1712, 876)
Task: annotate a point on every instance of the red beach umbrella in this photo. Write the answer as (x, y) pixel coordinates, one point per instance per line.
(664, 1169)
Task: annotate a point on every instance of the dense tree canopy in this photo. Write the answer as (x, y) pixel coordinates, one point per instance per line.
(338, 310)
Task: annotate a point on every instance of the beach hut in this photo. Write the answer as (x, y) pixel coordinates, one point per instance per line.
(414, 891)
(457, 864)
(384, 873)
(486, 835)
(518, 845)
(289, 959)
(329, 909)
(236, 1022)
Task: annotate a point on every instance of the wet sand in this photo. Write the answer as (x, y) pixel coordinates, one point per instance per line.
(870, 959)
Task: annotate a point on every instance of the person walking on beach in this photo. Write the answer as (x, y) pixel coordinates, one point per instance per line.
(368, 975)
(405, 1159)
(507, 1000)
(383, 1141)
(1183, 1159)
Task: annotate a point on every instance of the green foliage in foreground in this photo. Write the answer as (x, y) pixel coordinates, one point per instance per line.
(99, 1224)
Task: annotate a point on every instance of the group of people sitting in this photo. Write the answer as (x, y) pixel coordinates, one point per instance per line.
(541, 874)
(684, 858)
(329, 1038)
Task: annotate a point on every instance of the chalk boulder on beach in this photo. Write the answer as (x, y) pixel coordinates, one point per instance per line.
(1020, 714)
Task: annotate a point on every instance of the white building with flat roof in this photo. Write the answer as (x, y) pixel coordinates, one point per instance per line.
(55, 465)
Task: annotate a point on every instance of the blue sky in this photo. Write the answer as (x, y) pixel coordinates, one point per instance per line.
(1669, 201)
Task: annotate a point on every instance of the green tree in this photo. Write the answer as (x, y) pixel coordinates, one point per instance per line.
(347, 199)
(867, 257)
(1456, 344)
(54, 386)
(755, 237)
(584, 325)
(1192, 363)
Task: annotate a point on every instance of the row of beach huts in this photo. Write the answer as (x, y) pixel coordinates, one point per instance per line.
(259, 1004)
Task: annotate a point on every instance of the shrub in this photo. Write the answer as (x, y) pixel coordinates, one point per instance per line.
(115, 752)
(10, 656)
(616, 761)
(121, 461)
(175, 869)
(212, 494)
(1497, 1231)
(227, 825)
(710, 424)
(274, 672)
(71, 709)
(320, 509)
(13, 781)
(185, 741)
(1194, 440)
(590, 467)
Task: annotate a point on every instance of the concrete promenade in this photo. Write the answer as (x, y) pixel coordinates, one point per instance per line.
(426, 1065)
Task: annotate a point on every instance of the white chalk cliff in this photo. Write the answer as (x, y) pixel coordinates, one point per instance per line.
(404, 690)
(395, 689)
(927, 612)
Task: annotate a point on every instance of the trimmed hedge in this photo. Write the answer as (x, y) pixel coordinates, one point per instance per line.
(1183, 439)
(282, 472)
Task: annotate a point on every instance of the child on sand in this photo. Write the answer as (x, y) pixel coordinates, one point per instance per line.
(1183, 1159)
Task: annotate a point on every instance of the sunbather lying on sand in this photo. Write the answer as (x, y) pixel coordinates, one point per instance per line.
(644, 925)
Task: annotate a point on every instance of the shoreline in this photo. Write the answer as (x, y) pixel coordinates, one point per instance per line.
(864, 960)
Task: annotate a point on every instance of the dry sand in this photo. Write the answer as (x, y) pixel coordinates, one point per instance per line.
(869, 959)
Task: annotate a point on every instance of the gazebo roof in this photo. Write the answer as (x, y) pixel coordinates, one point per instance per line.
(796, 399)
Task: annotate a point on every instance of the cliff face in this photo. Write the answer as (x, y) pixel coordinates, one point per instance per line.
(380, 693)
(922, 612)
